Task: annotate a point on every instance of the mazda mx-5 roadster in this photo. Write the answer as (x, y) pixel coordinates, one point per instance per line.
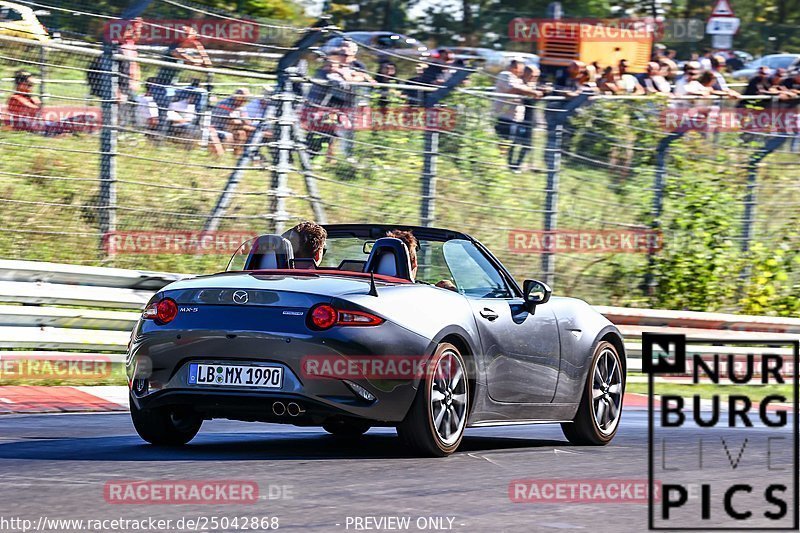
(357, 340)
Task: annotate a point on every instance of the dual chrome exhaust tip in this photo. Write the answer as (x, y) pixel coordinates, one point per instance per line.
(292, 408)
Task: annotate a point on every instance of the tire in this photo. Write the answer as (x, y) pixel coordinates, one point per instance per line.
(165, 426)
(601, 400)
(345, 429)
(438, 432)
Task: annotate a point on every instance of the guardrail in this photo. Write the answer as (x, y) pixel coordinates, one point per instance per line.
(50, 309)
(68, 311)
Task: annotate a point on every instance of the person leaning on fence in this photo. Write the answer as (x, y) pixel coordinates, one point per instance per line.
(523, 137)
(568, 82)
(653, 82)
(508, 108)
(323, 110)
(231, 122)
(190, 51)
(628, 83)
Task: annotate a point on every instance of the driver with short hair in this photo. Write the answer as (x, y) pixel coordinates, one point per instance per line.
(308, 241)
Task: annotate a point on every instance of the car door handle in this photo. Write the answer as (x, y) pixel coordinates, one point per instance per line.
(488, 314)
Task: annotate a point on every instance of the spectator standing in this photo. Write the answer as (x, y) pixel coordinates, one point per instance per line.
(354, 71)
(759, 84)
(523, 140)
(509, 111)
(322, 113)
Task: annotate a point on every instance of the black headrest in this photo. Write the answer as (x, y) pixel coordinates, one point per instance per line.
(389, 257)
(269, 251)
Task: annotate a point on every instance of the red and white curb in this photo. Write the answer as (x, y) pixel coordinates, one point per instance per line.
(61, 399)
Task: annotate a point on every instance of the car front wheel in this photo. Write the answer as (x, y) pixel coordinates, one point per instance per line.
(600, 409)
(436, 421)
(165, 426)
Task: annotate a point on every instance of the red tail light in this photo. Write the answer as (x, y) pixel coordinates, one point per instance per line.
(163, 312)
(322, 316)
(325, 316)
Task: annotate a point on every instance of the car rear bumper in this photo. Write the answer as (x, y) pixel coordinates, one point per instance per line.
(163, 360)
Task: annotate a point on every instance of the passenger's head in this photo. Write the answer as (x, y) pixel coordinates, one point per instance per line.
(411, 243)
(622, 66)
(653, 68)
(308, 240)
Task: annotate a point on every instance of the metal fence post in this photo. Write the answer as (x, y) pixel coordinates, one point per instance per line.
(282, 158)
(555, 117)
(658, 201)
(429, 101)
(108, 143)
(772, 144)
(285, 70)
(42, 72)
(428, 205)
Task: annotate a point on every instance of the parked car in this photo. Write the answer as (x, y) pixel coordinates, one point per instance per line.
(772, 61)
(21, 21)
(378, 41)
(363, 339)
(493, 61)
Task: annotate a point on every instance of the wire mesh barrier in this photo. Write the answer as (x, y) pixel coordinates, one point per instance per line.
(143, 157)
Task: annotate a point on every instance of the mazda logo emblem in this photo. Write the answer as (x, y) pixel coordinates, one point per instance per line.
(240, 297)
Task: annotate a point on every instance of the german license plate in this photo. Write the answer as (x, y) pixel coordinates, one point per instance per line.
(270, 377)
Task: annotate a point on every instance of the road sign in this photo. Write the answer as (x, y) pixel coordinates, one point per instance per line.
(721, 42)
(722, 25)
(722, 9)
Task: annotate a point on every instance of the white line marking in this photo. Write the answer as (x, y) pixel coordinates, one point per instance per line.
(6, 400)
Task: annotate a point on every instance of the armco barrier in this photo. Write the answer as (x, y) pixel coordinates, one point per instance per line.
(97, 307)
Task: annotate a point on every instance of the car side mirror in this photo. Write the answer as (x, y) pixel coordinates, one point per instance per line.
(535, 292)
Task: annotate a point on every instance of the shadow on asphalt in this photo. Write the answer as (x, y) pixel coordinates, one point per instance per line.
(243, 447)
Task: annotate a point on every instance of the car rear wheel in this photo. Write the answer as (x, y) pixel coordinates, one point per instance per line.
(346, 429)
(600, 410)
(436, 421)
(165, 426)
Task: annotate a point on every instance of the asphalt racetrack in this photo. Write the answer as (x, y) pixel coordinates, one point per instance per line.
(57, 466)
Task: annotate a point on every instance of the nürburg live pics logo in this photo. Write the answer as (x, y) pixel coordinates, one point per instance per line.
(723, 432)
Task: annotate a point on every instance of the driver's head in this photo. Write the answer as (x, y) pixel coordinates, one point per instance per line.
(308, 240)
(411, 243)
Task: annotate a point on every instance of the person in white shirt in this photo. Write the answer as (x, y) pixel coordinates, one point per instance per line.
(626, 82)
(509, 110)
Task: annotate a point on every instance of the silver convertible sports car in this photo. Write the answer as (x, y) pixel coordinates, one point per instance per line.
(362, 339)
